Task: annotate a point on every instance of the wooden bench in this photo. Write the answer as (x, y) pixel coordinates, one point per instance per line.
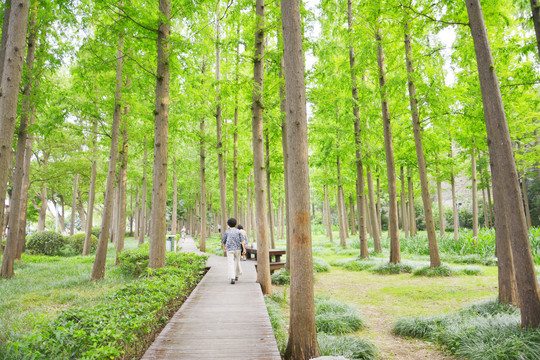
(274, 266)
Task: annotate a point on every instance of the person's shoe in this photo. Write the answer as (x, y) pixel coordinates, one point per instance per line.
(236, 278)
(232, 281)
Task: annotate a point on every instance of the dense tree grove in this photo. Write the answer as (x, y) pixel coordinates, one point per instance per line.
(143, 117)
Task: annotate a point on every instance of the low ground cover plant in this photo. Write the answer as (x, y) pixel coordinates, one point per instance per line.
(336, 318)
(123, 322)
(487, 330)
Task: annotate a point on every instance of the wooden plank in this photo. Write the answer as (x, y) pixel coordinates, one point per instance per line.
(219, 320)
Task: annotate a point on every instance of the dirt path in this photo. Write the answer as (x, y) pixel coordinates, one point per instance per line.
(392, 347)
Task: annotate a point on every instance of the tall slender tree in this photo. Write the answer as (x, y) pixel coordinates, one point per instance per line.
(503, 168)
(158, 225)
(302, 331)
(261, 222)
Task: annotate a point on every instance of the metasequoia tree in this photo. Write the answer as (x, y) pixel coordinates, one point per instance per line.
(10, 82)
(535, 7)
(357, 139)
(393, 230)
(98, 270)
(144, 190)
(508, 200)
(20, 188)
(261, 219)
(422, 169)
(219, 125)
(158, 227)
(92, 190)
(302, 331)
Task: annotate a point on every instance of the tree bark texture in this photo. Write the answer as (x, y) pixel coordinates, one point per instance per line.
(10, 83)
(373, 211)
(5, 34)
(474, 187)
(74, 205)
(24, 193)
(442, 225)
(302, 331)
(144, 206)
(158, 224)
(503, 169)
(526, 201)
(435, 260)
(98, 270)
(261, 222)
(268, 192)
(92, 190)
(219, 125)
(393, 230)
(404, 212)
(412, 212)
(362, 236)
(122, 186)
(535, 7)
(202, 200)
(17, 193)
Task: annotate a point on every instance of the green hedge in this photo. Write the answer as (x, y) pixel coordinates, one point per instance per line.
(123, 323)
(77, 243)
(45, 243)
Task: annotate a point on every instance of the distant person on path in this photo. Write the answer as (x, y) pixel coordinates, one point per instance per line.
(245, 237)
(183, 231)
(233, 243)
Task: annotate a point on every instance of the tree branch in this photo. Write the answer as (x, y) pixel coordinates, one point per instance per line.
(432, 18)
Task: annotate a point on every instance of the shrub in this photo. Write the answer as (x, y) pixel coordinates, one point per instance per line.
(353, 265)
(77, 243)
(391, 268)
(96, 231)
(471, 271)
(334, 317)
(483, 331)
(439, 271)
(348, 346)
(319, 265)
(121, 324)
(282, 277)
(45, 243)
(135, 262)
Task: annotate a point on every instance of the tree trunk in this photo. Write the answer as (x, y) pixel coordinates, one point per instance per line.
(352, 216)
(340, 208)
(144, 206)
(261, 226)
(302, 331)
(235, 133)
(26, 184)
(442, 226)
(269, 193)
(122, 186)
(393, 231)
(202, 166)
(5, 34)
(526, 201)
(92, 191)
(379, 209)
(404, 212)
(10, 82)
(283, 106)
(364, 253)
(490, 207)
(535, 7)
(98, 270)
(158, 213)
(435, 260)
(220, 150)
(74, 205)
(412, 212)
(174, 215)
(18, 193)
(503, 169)
(484, 207)
(474, 187)
(374, 213)
(328, 214)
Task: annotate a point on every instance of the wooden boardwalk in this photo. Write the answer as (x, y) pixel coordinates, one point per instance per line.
(219, 320)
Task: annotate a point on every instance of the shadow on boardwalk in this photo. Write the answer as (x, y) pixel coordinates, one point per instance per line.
(219, 320)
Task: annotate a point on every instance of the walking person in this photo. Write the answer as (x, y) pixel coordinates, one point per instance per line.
(233, 243)
(245, 237)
